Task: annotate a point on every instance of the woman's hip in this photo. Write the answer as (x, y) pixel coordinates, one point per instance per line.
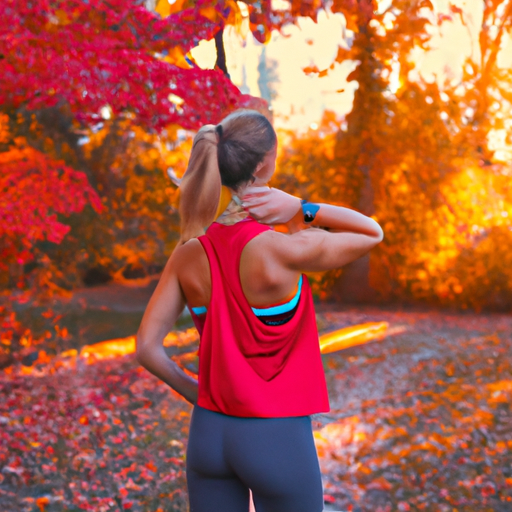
(218, 442)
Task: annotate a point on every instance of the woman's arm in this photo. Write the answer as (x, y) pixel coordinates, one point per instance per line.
(317, 250)
(351, 234)
(273, 206)
(164, 308)
(340, 219)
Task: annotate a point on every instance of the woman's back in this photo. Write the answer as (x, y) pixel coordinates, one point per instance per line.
(264, 279)
(252, 363)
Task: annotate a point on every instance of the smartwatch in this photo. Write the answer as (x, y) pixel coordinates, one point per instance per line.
(309, 210)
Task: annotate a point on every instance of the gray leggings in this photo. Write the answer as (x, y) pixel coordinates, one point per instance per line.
(274, 457)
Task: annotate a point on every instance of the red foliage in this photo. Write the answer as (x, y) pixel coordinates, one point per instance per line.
(419, 418)
(35, 189)
(116, 53)
(88, 55)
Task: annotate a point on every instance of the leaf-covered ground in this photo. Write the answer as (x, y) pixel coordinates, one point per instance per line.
(420, 421)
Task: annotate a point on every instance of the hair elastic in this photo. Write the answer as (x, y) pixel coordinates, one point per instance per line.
(219, 131)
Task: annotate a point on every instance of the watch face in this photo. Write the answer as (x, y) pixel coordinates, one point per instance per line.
(308, 217)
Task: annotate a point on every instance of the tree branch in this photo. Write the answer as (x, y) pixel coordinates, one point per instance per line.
(220, 63)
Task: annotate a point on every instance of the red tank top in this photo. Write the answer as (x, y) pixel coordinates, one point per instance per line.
(248, 368)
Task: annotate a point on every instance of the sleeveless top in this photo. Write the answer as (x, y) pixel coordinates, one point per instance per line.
(248, 368)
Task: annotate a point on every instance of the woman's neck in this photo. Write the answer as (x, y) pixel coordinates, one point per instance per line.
(233, 213)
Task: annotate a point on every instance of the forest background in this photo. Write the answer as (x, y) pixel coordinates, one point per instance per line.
(99, 102)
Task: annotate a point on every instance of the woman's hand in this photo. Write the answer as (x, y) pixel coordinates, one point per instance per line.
(270, 205)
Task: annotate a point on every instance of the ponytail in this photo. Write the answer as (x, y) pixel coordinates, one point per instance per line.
(223, 157)
(200, 186)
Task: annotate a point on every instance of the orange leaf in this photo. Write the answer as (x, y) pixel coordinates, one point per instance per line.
(42, 502)
(380, 484)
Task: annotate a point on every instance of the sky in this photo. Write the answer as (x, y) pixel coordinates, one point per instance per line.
(301, 98)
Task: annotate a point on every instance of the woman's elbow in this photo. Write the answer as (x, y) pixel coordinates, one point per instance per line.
(379, 234)
(140, 350)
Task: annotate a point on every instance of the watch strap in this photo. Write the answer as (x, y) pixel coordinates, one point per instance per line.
(309, 210)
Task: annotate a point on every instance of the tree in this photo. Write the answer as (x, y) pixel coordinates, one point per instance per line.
(443, 195)
(377, 50)
(82, 59)
(34, 190)
(93, 54)
(417, 156)
(485, 87)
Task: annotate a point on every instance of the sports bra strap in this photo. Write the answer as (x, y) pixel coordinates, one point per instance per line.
(278, 309)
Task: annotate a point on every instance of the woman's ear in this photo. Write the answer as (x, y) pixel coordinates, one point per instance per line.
(256, 172)
(258, 167)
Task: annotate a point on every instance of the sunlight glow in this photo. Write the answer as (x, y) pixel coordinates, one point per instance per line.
(106, 112)
(352, 336)
(394, 77)
(280, 5)
(176, 100)
(124, 346)
(204, 54)
(120, 347)
(498, 143)
(244, 10)
(108, 349)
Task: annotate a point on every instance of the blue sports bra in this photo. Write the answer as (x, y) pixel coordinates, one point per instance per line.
(273, 315)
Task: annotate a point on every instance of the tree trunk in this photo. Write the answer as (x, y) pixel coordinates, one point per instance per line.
(353, 286)
(220, 63)
(361, 148)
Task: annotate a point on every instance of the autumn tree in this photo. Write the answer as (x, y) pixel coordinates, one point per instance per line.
(451, 195)
(81, 58)
(74, 71)
(417, 155)
(378, 49)
(484, 90)
(71, 68)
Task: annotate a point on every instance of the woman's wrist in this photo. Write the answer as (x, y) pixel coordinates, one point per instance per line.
(339, 218)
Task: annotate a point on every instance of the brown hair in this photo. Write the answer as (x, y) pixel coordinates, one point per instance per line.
(226, 154)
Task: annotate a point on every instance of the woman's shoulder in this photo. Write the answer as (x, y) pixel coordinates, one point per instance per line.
(190, 263)
(271, 239)
(265, 249)
(187, 252)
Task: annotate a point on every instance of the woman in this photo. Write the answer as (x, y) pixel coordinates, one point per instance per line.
(260, 372)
